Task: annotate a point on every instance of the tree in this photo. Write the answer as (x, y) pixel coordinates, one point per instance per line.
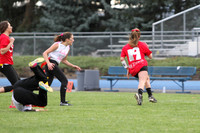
(121, 19)
(22, 14)
(12, 13)
(89, 15)
(142, 13)
(30, 17)
(71, 15)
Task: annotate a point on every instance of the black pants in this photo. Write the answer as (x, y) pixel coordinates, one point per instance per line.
(23, 89)
(11, 75)
(57, 72)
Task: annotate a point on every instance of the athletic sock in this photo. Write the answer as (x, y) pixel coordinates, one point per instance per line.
(149, 91)
(62, 94)
(140, 91)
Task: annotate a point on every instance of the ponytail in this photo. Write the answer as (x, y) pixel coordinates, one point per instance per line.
(63, 37)
(134, 36)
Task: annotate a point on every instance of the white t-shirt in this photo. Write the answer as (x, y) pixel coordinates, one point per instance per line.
(59, 53)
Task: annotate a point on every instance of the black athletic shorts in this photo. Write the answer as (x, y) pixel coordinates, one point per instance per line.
(144, 68)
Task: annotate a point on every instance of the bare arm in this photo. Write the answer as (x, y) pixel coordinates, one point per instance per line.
(40, 110)
(127, 74)
(150, 56)
(4, 50)
(66, 62)
(122, 59)
(45, 55)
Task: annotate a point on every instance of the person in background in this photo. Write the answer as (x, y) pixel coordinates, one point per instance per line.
(55, 54)
(6, 56)
(135, 51)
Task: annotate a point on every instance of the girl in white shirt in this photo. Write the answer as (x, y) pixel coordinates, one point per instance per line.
(55, 54)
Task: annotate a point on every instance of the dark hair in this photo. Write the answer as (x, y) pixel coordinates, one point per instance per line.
(63, 36)
(135, 36)
(3, 26)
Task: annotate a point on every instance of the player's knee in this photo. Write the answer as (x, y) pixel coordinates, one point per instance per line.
(64, 83)
(17, 84)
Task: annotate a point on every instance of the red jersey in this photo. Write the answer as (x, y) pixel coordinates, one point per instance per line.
(136, 56)
(6, 58)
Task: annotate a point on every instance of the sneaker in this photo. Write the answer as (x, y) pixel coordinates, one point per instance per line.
(138, 97)
(45, 86)
(36, 62)
(152, 99)
(66, 103)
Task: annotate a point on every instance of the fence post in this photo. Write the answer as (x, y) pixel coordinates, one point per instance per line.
(72, 51)
(153, 34)
(161, 34)
(197, 45)
(184, 25)
(34, 43)
(111, 43)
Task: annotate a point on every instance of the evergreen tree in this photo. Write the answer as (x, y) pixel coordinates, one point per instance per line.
(70, 15)
(142, 13)
(91, 15)
(152, 11)
(122, 19)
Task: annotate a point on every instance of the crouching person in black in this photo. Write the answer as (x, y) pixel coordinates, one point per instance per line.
(23, 95)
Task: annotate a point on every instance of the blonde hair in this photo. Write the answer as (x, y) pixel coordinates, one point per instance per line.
(134, 36)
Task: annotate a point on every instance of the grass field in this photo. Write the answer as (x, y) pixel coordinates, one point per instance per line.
(95, 112)
(102, 64)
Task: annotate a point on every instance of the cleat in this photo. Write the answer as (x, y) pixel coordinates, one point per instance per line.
(66, 103)
(45, 86)
(28, 107)
(47, 83)
(36, 62)
(138, 97)
(152, 99)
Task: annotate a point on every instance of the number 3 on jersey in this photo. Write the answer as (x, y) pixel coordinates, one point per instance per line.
(134, 54)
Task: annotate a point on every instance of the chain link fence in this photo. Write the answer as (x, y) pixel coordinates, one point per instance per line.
(165, 44)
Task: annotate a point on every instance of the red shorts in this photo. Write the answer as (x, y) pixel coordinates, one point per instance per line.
(135, 67)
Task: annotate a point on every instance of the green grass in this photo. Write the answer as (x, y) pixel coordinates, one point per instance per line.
(103, 63)
(94, 112)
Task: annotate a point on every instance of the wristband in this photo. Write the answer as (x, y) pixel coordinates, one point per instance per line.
(124, 64)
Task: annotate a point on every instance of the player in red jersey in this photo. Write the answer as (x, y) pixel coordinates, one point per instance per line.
(6, 55)
(135, 51)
